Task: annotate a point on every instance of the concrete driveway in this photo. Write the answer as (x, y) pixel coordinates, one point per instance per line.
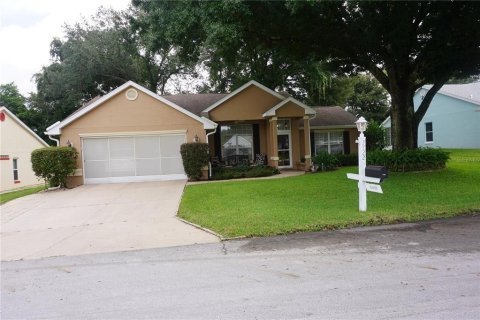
(94, 219)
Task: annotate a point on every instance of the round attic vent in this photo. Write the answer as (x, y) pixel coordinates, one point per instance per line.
(131, 94)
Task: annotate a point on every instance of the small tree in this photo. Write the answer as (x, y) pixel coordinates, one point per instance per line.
(54, 164)
(195, 158)
(375, 135)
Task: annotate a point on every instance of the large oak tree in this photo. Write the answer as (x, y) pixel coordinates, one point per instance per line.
(404, 45)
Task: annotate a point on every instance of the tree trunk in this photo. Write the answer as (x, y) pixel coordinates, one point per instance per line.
(404, 130)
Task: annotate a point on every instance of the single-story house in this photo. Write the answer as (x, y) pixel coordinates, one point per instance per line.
(133, 134)
(17, 141)
(452, 119)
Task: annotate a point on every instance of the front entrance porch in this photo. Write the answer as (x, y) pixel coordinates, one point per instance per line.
(277, 142)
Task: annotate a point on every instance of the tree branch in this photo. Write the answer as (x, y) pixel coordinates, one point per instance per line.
(379, 75)
(422, 109)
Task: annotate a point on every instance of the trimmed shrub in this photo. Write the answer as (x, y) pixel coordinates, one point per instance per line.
(325, 161)
(409, 160)
(375, 135)
(226, 173)
(346, 160)
(54, 164)
(194, 158)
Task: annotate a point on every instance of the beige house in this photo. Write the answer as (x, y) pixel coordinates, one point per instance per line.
(133, 134)
(17, 141)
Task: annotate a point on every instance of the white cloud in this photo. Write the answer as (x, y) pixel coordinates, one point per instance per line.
(28, 27)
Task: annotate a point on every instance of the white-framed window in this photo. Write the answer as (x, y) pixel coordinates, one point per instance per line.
(15, 169)
(283, 125)
(328, 141)
(428, 132)
(388, 136)
(237, 141)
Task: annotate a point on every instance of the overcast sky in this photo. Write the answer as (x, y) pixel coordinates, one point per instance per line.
(28, 26)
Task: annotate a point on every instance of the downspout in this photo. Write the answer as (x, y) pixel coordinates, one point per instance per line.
(210, 162)
(56, 140)
(58, 144)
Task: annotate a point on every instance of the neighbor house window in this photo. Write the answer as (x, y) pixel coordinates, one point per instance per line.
(237, 142)
(428, 132)
(330, 141)
(388, 136)
(15, 169)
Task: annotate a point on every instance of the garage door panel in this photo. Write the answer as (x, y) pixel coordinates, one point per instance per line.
(147, 147)
(122, 148)
(95, 149)
(170, 145)
(134, 158)
(172, 166)
(97, 169)
(148, 167)
(122, 167)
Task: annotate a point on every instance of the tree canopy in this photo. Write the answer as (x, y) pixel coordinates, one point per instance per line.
(11, 98)
(404, 45)
(321, 52)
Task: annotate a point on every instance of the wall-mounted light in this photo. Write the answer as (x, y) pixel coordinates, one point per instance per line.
(196, 139)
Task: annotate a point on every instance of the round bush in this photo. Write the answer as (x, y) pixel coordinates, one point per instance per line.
(195, 158)
(54, 164)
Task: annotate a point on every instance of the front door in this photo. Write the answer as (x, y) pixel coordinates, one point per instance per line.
(284, 150)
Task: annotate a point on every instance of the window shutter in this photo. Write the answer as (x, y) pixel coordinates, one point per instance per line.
(312, 144)
(218, 143)
(346, 142)
(256, 139)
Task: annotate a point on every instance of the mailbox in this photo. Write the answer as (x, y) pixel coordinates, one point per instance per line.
(376, 172)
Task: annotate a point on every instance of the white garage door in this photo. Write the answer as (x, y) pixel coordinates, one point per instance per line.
(132, 158)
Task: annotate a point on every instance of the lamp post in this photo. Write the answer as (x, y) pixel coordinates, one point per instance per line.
(362, 163)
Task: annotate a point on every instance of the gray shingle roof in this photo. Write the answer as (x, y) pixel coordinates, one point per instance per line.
(468, 91)
(332, 116)
(195, 103)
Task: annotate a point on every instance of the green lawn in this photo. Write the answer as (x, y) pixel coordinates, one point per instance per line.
(20, 193)
(329, 200)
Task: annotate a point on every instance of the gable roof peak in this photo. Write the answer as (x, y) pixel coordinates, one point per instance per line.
(55, 128)
(240, 89)
(22, 124)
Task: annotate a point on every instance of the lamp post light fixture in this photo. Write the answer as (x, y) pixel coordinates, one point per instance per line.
(362, 163)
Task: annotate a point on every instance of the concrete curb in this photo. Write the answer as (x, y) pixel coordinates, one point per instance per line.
(210, 231)
(200, 227)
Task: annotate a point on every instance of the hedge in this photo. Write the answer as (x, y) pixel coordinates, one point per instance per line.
(346, 160)
(409, 160)
(225, 173)
(324, 161)
(54, 164)
(195, 158)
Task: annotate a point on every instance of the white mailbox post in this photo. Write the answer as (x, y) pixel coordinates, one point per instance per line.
(363, 185)
(362, 163)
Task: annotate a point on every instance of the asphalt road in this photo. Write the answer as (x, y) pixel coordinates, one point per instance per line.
(419, 271)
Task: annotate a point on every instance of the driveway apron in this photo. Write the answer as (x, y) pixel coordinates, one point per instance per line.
(96, 218)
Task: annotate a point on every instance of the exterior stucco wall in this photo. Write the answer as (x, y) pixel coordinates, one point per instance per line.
(290, 109)
(249, 104)
(353, 137)
(295, 136)
(16, 142)
(120, 115)
(456, 123)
